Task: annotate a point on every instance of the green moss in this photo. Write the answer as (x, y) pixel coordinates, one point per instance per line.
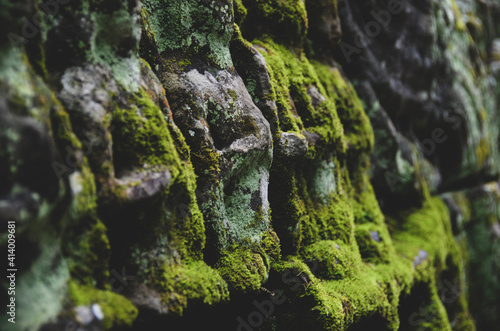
(89, 254)
(333, 220)
(143, 128)
(364, 279)
(179, 141)
(62, 129)
(317, 203)
(270, 244)
(184, 63)
(244, 55)
(243, 269)
(459, 23)
(288, 208)
(324, 209)
(85, 243)
(291, 77)
(430, 314)
(341, 290)
(83, 182)
(337, 304)
(118, 311)
(326, 213)
(171, 262)
(356, 124)
(190, 283)
(483, 151)
(285, 20)
(331, 260)
(359, 298)
(209, 160)
(187, 227)
(428, 229)
(374, 243)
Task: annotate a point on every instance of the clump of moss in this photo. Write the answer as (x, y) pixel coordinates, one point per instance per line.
(270, 244)
(459, 23)
(118, 311)
(330, 260)
(190, 283)
(358, 132)
(243, 269)
(285, 20)
(372, 243)
(428, 229)
(142, 128)
(143, 139)
(422, 308)
(89, 253)
(293, 78)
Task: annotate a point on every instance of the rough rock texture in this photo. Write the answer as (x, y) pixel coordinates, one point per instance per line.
(250, 164)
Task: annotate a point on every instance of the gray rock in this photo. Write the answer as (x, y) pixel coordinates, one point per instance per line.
(291, 145)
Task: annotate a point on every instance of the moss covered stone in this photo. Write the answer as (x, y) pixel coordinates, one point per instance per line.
(118, 312)
(243, 269)
(264, 174)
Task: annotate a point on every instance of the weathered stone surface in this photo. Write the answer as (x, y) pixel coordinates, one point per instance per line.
(250, 164)
(418, 64)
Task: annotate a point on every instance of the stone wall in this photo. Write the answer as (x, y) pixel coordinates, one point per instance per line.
(250, 164)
